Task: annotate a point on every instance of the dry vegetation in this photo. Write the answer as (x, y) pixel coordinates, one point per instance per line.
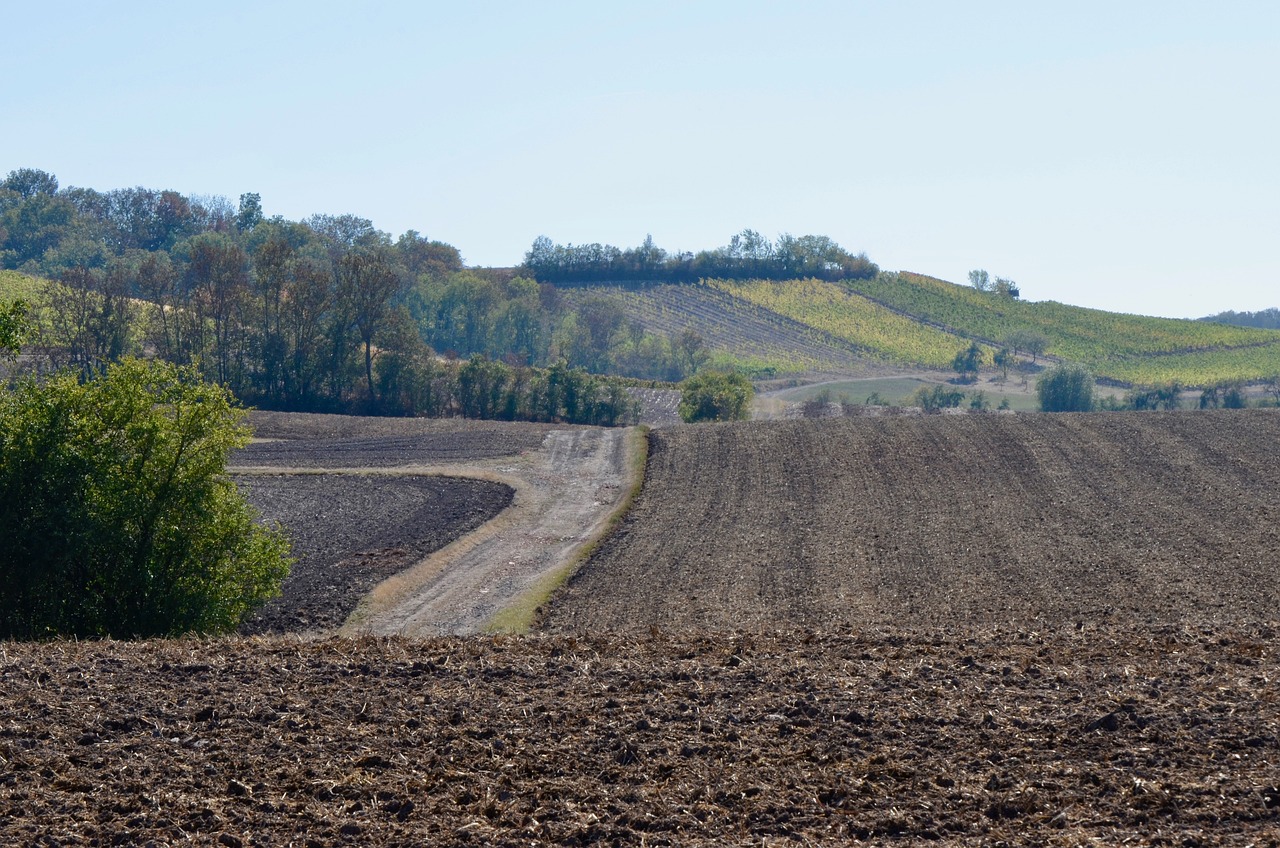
(981, 630)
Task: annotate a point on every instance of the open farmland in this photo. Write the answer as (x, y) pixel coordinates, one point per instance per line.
(941, 521)
(975, 630)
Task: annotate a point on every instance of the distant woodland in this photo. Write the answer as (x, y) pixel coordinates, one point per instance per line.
(1266, 319)
(330, 313)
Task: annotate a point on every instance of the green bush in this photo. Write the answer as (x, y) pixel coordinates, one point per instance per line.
(936, 398)
(116, 515)
(716, 396)
(1066, 388)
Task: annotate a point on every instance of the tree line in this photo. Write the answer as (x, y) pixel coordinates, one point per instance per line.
(1266, 319)
(748, 255)
(325, 314)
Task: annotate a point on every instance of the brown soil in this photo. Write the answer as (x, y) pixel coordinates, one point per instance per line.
(329, 441)
(1055, 630)
(986, 737)
(381, 535)
(1143, 517)
(351, 532)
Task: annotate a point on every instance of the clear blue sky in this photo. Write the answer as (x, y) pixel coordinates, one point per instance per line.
(1121, 155)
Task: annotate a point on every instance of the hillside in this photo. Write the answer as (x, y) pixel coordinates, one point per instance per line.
(911, 321)
(943, 521)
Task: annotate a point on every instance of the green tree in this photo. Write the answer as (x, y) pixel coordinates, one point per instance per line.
(980, 280)
(1163, 396)
(716, 396)
(249, 214)
(116, 514)
(969, 361)
(1027, 341)
(1066, 388)
(1003, 359)
(367, 285)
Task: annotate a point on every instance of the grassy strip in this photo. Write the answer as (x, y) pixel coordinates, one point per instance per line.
(520, 616)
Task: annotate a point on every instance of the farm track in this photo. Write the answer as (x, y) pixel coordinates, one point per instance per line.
(402, 540)
(933, 521)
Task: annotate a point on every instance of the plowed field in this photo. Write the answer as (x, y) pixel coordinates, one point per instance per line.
(947, 521)
(974, 630)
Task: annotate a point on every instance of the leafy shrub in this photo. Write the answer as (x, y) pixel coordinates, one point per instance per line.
(716, 396)
(937, 397)
(1066, 388)
(116, 515)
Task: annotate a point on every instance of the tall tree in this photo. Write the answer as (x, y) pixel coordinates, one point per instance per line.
(367, 285)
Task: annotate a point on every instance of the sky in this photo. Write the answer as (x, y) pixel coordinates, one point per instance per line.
(1118, 155)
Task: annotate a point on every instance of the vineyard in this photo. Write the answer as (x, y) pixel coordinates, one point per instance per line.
(15, 286)
(1130, 348)
(732, 328)
(866, 325)
(912, 321)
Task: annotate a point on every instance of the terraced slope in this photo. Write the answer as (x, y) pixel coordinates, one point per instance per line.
(956, 521)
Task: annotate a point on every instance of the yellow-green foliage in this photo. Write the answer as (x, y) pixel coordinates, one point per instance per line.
(833, 309)
(1199, 368)
(1133, 348)
(17, 286)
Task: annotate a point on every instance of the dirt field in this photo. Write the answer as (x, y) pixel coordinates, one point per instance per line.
(984, 630)
(1142, 517)
(379, 534)
(351, 532)
(999, 737)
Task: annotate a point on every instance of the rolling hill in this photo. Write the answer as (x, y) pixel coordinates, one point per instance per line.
(913, 321)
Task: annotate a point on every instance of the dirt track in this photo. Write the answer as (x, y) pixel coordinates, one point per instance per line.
(1142, 517)
(352, 531)
(564, 493)
(566, 480)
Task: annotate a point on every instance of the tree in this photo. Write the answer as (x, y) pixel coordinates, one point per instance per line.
(28, 182)
(1066, 388)
(249, 214)
(969, 361)
(116, 514)
(1162, 396)
(1006, 288)
(1003, 359)
(367, 284)
(1027, 341)
(980, 280)
(716, 396)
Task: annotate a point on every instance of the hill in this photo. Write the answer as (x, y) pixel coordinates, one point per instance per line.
(911, 321)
